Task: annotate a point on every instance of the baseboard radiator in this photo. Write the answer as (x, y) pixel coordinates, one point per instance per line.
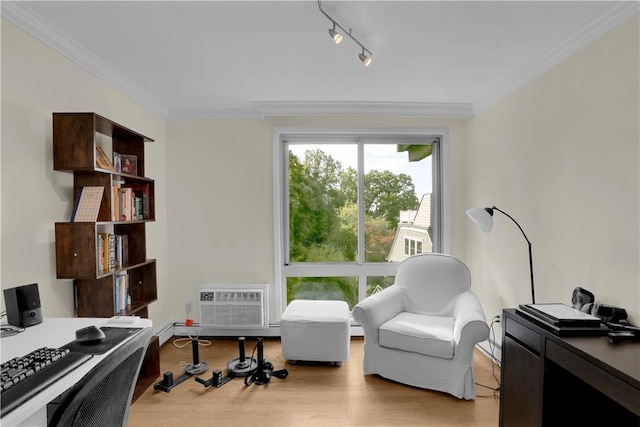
(225, 306)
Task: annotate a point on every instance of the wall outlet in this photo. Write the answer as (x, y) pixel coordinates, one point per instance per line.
(188, 305)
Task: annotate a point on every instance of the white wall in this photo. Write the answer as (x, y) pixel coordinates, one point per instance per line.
(37, 81)
(561, 155)
(221, 198)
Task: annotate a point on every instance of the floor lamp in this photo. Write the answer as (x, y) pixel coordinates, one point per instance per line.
(483, 218)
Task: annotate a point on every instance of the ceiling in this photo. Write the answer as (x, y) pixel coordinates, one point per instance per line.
(261, 58)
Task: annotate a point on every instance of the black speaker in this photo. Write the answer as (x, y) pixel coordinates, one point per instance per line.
(23, 305)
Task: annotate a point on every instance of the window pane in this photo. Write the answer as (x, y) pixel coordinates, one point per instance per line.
(398, 179)
(377, 283)
(323, 212)
(353, 207)
(323, 288)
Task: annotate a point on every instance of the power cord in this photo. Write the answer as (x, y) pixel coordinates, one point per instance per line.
(494, 361)
(183, 342)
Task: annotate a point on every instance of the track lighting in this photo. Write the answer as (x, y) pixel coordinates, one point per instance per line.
(364, 58)
(337, 37)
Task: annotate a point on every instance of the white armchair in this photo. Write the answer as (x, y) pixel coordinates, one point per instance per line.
(421, 330)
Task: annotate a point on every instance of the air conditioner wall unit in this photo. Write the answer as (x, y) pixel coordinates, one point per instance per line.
(234, 305)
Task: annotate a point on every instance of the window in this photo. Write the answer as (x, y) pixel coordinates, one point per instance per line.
(412, 246)
(351, 205)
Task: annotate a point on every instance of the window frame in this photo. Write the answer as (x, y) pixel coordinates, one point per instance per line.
(362, 270)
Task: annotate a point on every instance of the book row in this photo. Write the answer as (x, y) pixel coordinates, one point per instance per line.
(113, 251)
(129, 204)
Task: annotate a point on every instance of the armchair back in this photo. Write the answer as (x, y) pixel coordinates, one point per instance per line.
(431, 283)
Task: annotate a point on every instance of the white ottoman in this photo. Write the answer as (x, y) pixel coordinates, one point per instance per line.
(315, 330)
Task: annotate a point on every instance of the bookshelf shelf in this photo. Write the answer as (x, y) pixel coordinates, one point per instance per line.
(97, 255)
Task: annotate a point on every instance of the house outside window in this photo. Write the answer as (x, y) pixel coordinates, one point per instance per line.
(414, 234)
(341, 200)
(412, 246)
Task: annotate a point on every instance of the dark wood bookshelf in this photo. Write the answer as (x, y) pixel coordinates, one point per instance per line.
(76, 138)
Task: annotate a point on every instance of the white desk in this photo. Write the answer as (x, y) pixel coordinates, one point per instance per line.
(52, 332)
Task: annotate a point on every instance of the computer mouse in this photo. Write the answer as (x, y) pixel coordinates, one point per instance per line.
(90, 335)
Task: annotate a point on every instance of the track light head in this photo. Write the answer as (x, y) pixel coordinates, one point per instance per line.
(336, 36)
(366, 60)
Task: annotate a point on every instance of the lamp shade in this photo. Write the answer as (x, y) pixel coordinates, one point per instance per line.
(482, 217)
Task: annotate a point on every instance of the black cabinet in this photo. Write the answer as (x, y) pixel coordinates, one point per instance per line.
(549, 380)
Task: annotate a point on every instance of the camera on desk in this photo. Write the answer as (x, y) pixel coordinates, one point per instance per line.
(23, 305)
(608, 313)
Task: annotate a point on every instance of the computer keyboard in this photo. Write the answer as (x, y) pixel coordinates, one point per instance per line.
(24, 377)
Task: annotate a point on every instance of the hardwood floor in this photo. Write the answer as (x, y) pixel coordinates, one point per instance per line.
(312, 395)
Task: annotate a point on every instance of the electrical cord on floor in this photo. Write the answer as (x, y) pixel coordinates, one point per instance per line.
(494, 361)
(187, 341)
(183, 342)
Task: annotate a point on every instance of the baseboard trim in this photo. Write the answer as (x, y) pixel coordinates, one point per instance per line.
(179, 329)
(492, 350)
(165, 333)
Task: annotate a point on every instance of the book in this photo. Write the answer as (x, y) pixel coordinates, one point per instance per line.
(126, 204)
(87, 205)
(102, 160)
(112, 251)
(103, 246)
(129, 164)
(116, 294)
(117, 162)
(121, 293)
(122, 250)
(115, 205)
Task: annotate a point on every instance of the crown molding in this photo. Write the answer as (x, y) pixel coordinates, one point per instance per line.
(18, 15)
(572, 44)
(266, 109)
(213, 113)
(368, 109)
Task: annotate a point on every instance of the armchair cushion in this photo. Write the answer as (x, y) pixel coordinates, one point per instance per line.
(419, 333)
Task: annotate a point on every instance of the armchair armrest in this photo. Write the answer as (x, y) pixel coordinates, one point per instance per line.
(373, 311)
(470, 326)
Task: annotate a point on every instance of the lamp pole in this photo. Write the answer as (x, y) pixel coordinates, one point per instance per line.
(533, 294)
